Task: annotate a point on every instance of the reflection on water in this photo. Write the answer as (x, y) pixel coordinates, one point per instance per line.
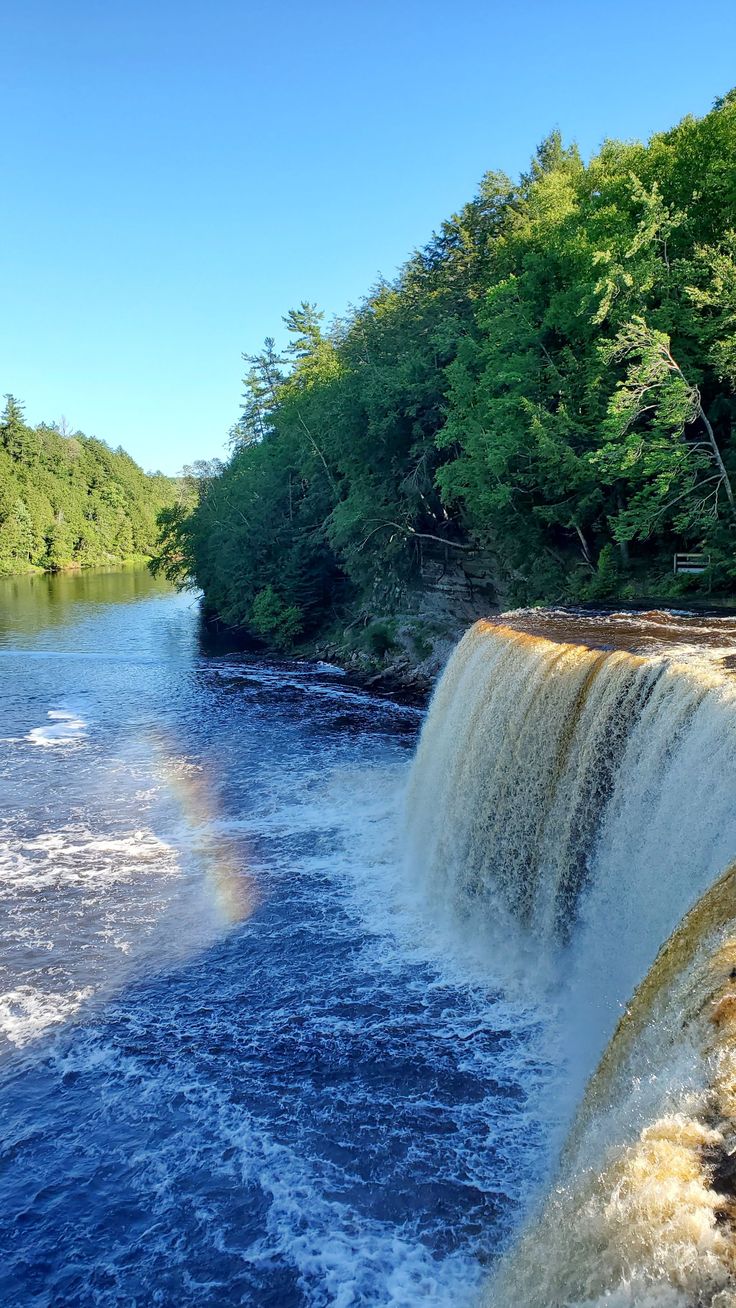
(110, 863)
(30, 605)
(234, 1068)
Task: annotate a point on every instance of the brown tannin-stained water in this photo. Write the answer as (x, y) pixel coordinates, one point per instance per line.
(571, 799)
(648, 632)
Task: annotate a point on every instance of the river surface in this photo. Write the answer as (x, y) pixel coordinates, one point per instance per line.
(237, 1063)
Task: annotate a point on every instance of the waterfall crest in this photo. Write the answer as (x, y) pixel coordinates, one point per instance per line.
(583, 798)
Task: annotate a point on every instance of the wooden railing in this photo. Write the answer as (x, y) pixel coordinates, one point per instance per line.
(691, 562)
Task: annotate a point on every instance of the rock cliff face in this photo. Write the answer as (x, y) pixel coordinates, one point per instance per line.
(408, 641)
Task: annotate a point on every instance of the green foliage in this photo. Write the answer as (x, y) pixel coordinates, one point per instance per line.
(380, 638)
(71, 501)
(606, 581)
(551, 378)
(270, 616)
(172, 559)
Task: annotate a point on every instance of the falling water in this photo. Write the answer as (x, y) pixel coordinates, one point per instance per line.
(579, 801)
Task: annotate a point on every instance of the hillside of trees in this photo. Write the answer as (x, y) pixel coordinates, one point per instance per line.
(551, 380)
(71, 501)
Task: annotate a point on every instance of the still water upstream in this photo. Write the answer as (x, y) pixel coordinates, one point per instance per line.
(237, 1065)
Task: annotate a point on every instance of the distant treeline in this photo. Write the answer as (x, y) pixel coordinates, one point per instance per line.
(551, 379)
(69, 500)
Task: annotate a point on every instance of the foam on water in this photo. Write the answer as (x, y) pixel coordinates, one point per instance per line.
(63, 728)
(578, 799)
(75, 856)
(294, 1209)
(246, 1068)
(27, 1013)
(355, 1103)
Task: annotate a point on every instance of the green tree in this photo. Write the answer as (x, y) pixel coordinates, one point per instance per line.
(66, 499)
(551, 378)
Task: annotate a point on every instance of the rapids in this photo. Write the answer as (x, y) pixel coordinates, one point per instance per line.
(235, 1065)
(296, 1011)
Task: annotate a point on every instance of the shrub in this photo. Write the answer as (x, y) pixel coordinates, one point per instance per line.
(272, 618)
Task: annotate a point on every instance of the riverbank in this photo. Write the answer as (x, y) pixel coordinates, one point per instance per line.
(399, 656)
(108, 564)
(393, 656)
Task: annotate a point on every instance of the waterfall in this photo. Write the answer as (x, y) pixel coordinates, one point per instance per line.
(643, 1213)
(582, 800)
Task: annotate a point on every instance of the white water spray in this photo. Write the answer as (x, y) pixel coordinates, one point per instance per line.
(583, 800)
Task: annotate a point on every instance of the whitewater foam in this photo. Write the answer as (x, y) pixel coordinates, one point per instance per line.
(573, 798)
(579, 800)
(63, 728)
(75, 856)
(27, 1012)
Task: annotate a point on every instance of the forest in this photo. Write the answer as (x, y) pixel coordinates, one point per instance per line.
(550, 380)
(68, 500)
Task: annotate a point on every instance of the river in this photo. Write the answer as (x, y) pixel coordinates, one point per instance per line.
(238, 1065)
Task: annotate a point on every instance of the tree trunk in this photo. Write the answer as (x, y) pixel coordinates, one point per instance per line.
(623, 545)
(584, 545)
(717, 457)
(700, 413)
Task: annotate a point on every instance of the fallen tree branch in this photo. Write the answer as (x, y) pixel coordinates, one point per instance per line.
(419, 535)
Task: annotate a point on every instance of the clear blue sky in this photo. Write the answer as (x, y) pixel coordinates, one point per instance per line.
(176, 175)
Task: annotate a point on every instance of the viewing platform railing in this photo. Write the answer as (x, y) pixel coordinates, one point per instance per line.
(691, 562)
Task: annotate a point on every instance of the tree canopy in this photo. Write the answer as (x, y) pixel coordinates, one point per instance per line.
(550, 379)
(69, 500)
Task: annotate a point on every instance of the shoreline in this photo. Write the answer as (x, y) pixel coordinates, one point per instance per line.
(107, 565)
(401, 673)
